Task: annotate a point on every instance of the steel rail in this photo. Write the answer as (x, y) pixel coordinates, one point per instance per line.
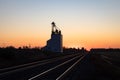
(62, 76)
(51, 69)
(30, 65)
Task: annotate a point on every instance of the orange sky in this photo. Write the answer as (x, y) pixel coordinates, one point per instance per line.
(84, 23)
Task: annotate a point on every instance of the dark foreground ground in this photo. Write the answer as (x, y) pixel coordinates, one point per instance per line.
(107, 65)
(11, 56)
(95, 66)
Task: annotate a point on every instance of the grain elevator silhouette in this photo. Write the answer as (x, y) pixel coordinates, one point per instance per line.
(54, 44)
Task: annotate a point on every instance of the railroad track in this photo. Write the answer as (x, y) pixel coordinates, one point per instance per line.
(60, 71)
(19, 67)
(32, 71)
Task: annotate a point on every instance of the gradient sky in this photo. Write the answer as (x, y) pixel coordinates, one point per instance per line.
(84, 23)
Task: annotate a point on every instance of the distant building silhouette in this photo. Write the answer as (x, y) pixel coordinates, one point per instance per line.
(55, 43)
(105, 50)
